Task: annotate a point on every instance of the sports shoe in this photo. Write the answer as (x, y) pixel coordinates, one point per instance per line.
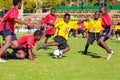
(110, 53)
(43, 46)
(1, 60)
(84, 52)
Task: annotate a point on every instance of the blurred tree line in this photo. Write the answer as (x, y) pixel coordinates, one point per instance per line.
(34, 5)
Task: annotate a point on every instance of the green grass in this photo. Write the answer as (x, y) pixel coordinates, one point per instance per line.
(73, 66)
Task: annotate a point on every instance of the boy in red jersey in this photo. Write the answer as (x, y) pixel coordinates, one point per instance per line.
(107, 31)
(7, 27)
(27, 43)
(48, 23)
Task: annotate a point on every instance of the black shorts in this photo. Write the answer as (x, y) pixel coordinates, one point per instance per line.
(92, 37)
(105, 34)
(80, 31)
(62, 42)
(29, 28)
(117, 32)
(48, 35)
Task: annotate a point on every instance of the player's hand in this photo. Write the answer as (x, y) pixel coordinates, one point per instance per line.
(33, 54)
(31, 57)
(30, 24)
(109, 35)
(66, 30)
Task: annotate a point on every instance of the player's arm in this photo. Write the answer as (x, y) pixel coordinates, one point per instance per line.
(23, 22)
(30, 53)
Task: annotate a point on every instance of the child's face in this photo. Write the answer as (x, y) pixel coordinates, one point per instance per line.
(53, 12)
(38, 37)
(20, 5)
(96, 15)
(103, 11)
(66, 19)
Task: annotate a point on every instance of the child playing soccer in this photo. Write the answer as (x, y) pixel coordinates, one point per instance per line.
(48, 23)
(107, 31)
(7, 27)
(61, 35)
(94, 30)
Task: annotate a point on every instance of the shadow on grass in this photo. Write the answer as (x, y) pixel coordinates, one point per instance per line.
(93, 55)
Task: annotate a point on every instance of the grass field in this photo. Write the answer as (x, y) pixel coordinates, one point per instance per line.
(73, 66)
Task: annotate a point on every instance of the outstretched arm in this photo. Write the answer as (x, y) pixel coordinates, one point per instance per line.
(23, 22)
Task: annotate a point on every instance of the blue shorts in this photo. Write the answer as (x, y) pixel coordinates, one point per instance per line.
(6, 32)
(105, 33)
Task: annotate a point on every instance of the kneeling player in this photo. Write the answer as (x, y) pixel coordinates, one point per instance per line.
(27, 43)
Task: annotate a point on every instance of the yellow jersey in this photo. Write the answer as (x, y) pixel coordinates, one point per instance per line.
(86, 24)
(62, 29)
(95, 26)
(117, 27)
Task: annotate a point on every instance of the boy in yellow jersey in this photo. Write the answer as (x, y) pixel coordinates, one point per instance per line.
(94, 30)
(61, 35)
(117, 30)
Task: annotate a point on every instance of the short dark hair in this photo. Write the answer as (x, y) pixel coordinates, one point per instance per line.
(67, 14)
(15, 2)
(53, 9)
(97, 12)
(103, 7)
(38, 33)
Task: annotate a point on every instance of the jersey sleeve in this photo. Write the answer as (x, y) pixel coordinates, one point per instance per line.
(44, 20)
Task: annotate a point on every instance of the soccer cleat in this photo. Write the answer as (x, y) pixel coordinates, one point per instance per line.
(1, 60)
(43, 46)
(110, 53)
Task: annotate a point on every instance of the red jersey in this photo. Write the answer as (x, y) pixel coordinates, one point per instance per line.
(81, 26)
(0, 20)
(26, 41)
(106, 21)
(49, 19)
(8, 20)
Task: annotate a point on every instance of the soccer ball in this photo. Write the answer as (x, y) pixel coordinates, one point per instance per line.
(57, 53)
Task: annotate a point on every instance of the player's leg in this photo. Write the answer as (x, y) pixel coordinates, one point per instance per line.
(43, 46)
(66, 49)
(105, 46)
(14, 44)
(47, 38)
(8, 40)
(7, 44)
(90, 40)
